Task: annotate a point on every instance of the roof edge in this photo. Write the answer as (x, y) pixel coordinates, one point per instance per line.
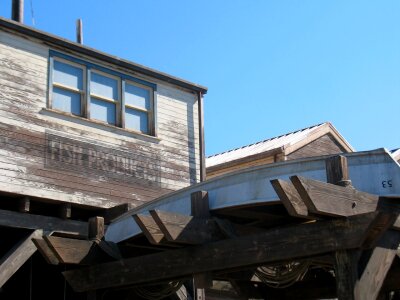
(53, 39)
(317, 132)
(245, 159)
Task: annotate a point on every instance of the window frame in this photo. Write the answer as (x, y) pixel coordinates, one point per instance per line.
(89, 68)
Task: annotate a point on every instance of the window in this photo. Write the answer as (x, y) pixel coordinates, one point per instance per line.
(83, 89)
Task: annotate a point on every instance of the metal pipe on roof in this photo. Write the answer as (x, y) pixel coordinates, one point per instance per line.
(17, 11)
(79, 31)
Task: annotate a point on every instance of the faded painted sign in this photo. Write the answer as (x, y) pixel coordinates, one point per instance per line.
(99, 160)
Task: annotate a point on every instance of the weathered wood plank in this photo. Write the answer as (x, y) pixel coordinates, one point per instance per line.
(186, 229)
(346, 273)
(28, 221)
(96, 228)
(116, 211)
(150, 229)
(333, 200)
(17, 256)
(371, 280)
(72, 251)
(273, 245)
(290, 199)
(47, 253)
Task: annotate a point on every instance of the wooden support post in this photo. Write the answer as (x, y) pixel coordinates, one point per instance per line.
(200, 207)
(65, 211)
(337, 171)
(379, 263)
(24, 204)
(96, 228)
(346, 261)
(17, 256)
(201, 210)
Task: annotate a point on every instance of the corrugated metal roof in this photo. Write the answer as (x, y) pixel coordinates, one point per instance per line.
(262, 146)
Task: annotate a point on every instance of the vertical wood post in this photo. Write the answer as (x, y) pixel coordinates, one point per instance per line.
(346, 261)
(337, 171)
(96, 228)
(65, 211)
(200, 209)
(24, 204)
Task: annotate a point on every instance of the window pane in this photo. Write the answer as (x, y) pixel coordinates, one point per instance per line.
(66, 101)
(67, 74)
(137, 96)
(102, 110)
(136, 120)
(103, 86)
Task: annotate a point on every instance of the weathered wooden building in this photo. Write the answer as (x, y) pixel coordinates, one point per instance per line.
(321, 139)
(82, 134)
(81, 126)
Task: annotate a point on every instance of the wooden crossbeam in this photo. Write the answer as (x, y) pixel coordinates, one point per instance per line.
(290, 199)
(72, 251)
(273, 245)
(17, 256)
(186, 229)
(47, 253)
(333, 200)
(151, 230)
(49, 224)
(379, 263)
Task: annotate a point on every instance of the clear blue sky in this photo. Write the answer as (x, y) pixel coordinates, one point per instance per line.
(271, 66)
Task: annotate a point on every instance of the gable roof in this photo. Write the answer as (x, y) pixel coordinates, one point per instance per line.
(13, 26)
(286, 144)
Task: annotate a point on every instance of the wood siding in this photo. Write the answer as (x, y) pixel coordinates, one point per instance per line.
(50, 155)
(324, 145)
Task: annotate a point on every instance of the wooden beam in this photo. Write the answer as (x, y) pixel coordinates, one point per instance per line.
(186, 229)
(114, 212)
(336, 170)
(96, 228)
(200, 206)
(73, 251)
(332, 200)
(65, 211)
(150, 229)
(24, 204)
(46, 251)
(372, 279)
(201, 211)
(17, 256)
(290, 199)
(49, 224)
(346, 275)
(273, 245)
